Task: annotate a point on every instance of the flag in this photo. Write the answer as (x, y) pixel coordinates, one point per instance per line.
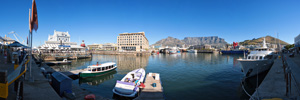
(34, 18)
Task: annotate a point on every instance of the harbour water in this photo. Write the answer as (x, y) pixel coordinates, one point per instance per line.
(185, 76)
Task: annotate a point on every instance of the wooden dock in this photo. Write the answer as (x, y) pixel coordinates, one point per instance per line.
(73, 73)
(150, 92)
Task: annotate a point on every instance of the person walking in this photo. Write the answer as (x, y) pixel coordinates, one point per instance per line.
(19, 56)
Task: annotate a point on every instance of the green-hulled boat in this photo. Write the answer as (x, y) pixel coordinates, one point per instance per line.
(97, 70)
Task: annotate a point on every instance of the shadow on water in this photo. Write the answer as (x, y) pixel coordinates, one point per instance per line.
(250, 84)
(117, 97)
(97, 80)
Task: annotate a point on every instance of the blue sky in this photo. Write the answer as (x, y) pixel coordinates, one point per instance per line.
(100, 21)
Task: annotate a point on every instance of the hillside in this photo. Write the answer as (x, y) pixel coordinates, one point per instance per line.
(170, 41)
(269, 39)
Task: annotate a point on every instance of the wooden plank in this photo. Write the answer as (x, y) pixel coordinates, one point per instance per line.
(150, 92)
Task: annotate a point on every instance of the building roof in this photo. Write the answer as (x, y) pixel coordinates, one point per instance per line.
(59, 33)
(143, 33)
(8, 39)
(1, 39)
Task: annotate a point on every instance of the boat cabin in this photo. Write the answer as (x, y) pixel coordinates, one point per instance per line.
(101, 67)
(262, 49)
(259, 57)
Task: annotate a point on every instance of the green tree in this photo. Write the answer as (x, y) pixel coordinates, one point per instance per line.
(289, 46)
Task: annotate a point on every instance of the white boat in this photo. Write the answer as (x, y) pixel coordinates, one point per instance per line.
(192, 51)
(258, 61)
(65, 61)
(98, 70)
(128, 86)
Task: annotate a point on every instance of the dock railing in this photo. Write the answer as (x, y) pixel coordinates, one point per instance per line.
(15, 76)
(289, 76)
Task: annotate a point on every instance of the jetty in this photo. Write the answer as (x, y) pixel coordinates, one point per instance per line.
(137, 53)
(151, 92)
(73, 73)
(62, 56)
(281, 82)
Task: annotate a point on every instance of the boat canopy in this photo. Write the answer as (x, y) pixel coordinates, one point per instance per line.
(103, 65)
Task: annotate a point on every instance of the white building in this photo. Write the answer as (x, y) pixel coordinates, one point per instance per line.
(61, 40)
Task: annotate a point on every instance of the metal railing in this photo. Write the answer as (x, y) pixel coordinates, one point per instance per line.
(289, 76)
(7, 80)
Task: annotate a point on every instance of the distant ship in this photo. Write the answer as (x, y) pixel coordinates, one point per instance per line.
(235, 50)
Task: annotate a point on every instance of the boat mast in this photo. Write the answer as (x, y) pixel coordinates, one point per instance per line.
(264, 43)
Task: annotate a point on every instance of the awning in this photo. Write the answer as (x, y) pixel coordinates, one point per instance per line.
(16, 44)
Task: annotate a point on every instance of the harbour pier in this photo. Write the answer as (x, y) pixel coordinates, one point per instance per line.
(61, 56)
(151, 91)
(282, 81)
(39, 76)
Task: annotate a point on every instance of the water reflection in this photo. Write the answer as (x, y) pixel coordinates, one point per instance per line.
(74, 65)
(205, 73)
(97, 80)
(129, 63)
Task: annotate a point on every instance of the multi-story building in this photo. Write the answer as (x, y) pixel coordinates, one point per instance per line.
(95, 46)
(109, 46)
(61, 40)
(6, 40)
(133, 41)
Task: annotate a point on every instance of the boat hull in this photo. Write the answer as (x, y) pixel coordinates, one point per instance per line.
(234, 52)
(84, 75)
(130, 89)
(58, 63)
(253, 67)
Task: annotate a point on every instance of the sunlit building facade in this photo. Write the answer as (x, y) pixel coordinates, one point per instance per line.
(133, 41)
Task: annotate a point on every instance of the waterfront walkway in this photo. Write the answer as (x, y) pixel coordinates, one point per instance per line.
(274, 84)
(40, 88)
(4, 65)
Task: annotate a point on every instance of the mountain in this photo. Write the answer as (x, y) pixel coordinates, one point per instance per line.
(269, 39)
(212, 40)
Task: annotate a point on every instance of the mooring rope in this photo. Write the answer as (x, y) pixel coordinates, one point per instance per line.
(246, 91)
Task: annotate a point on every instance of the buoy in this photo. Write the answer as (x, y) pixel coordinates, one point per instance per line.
(90, 97)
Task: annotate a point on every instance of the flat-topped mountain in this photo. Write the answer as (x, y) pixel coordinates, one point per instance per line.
(212, 40)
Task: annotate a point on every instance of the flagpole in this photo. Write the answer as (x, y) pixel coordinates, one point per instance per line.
(30, 54)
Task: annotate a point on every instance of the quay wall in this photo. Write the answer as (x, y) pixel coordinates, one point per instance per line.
(121, 53)
(61, 56)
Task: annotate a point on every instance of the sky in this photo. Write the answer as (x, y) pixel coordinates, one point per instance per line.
(101, 21)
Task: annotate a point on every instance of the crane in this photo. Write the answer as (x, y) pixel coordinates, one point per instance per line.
(15, 35)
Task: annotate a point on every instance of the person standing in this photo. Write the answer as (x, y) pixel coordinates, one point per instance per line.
(19, 56)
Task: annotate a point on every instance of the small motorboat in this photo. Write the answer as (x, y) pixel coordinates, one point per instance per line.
(97, 70)
(128, 86)
(65, 61)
